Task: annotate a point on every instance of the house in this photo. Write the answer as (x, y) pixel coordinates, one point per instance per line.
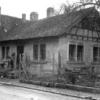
(72, 39)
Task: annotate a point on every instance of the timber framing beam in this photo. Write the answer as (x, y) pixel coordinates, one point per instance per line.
(84, 37)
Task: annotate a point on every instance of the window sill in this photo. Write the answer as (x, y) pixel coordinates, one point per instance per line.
(39, 62)
(75, 62)
(95, 63)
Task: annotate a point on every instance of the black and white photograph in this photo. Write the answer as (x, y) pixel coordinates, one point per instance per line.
(49, 49)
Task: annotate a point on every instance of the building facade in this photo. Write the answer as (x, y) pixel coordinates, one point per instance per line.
(69, 40)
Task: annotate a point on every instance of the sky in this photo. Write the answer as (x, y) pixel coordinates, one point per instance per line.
(17, 7)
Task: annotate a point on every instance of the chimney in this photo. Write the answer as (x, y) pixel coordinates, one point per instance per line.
(50, 12)
(33, 16)
(23, 17)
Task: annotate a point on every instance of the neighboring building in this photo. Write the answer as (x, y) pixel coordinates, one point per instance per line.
(73, 37)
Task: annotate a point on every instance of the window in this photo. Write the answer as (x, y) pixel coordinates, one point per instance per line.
(75, 52)
(35, 51)
(96, 54)
(39, 52)
(79, 53)
(72, 52)
(5, 52)
(42, 52)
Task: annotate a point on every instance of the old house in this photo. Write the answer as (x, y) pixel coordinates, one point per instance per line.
(74, 38)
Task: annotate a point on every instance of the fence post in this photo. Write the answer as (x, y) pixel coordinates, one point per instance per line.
(59, 64)
(53, 62)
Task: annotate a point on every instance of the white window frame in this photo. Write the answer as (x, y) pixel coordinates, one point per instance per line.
(76, 53)
(39, 55)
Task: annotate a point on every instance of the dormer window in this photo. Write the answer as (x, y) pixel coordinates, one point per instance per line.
(88, 23)
(85, 23)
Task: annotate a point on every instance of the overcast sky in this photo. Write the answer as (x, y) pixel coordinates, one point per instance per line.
(17, 7)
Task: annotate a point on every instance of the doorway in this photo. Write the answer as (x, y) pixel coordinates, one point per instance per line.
(20, 51)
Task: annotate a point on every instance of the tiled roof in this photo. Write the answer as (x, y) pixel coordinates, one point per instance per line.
(53, 26)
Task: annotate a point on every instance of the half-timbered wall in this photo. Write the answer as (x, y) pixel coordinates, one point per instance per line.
(88, 45)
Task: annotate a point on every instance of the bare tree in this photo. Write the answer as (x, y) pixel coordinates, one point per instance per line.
(86, 1)
(68, 8)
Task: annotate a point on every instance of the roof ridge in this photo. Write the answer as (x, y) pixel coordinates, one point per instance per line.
(10, 16)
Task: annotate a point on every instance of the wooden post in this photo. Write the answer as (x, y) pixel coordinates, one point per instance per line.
(59, 64)
(53, 62)
(15, 59)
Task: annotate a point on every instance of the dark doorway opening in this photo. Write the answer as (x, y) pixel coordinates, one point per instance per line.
(20, 51)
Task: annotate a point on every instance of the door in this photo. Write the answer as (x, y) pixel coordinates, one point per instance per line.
(20, 51)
